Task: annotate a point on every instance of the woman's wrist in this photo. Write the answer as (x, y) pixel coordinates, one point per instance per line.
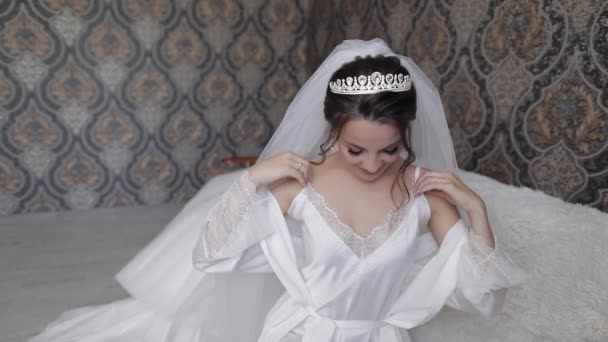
(476, 208)
(480, 222)
(253, 176)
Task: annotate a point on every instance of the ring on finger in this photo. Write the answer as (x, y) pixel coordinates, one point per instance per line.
(299, 166)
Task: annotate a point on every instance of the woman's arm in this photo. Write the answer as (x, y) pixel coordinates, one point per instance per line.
(228, 231)
(444, 192)
(483, 271)
(247, 214)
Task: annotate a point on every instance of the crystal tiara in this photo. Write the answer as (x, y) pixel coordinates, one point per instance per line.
(372, 84)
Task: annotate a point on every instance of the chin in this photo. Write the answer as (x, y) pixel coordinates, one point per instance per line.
(366, 176)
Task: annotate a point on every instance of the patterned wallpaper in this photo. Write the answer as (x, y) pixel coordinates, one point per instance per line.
(134, 102)
(524, 82)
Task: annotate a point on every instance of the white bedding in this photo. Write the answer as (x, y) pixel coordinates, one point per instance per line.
(562, 247)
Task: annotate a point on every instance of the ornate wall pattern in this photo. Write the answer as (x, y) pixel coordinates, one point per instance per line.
(130, 102)
(133, 102)
(524, 83)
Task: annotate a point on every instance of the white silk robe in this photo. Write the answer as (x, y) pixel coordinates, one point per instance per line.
(335, 292)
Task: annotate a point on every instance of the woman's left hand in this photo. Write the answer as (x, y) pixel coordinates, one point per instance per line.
(449, 187)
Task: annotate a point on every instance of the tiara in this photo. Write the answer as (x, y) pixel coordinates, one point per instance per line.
(372, 84)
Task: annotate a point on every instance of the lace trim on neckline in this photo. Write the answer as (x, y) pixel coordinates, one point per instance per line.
(360, 245)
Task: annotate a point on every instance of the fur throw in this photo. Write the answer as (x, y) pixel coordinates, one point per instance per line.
(562, 247)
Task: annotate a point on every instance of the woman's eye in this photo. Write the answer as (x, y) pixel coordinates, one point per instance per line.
(354, 153)
(393, 151)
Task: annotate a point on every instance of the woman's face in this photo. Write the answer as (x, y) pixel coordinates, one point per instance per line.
(369, 147)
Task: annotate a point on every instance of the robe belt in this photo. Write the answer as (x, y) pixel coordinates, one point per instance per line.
(323, 329)
(348, 324)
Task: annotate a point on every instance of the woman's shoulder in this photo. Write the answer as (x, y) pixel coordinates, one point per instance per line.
(410, 176)
(436, 202)
(285, 192)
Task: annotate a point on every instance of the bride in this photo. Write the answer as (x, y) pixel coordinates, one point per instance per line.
(348, 228)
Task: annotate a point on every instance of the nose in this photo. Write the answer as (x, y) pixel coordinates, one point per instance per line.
(371, 164)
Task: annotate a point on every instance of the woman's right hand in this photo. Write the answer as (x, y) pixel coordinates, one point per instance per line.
(278, 167)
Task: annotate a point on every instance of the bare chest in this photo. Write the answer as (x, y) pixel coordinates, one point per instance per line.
(362, 211)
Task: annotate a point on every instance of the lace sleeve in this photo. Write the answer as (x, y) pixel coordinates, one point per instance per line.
(226, 232)
(483, 264)
(484, 274)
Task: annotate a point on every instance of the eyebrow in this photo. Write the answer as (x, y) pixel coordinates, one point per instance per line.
(357, 146)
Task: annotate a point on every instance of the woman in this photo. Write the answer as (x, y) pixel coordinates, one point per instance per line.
(361, 245)
(355, 258)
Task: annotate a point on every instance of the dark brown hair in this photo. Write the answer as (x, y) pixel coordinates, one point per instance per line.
(397, 108)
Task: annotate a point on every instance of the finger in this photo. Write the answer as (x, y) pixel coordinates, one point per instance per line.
(303, 164)
(303, 168)
(297, 158)
(433, 179)
(427, 181)
(434, 174)
(443, 174)
(446, 187)
(309, 173)
(438, 193)
(448, 175)
(306, 172)
(298, 168)
(298, 164)
(297, 175)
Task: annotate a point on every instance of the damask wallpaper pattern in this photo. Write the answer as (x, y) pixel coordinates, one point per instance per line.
(120, 103)
(133, 102)
(524, 82)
